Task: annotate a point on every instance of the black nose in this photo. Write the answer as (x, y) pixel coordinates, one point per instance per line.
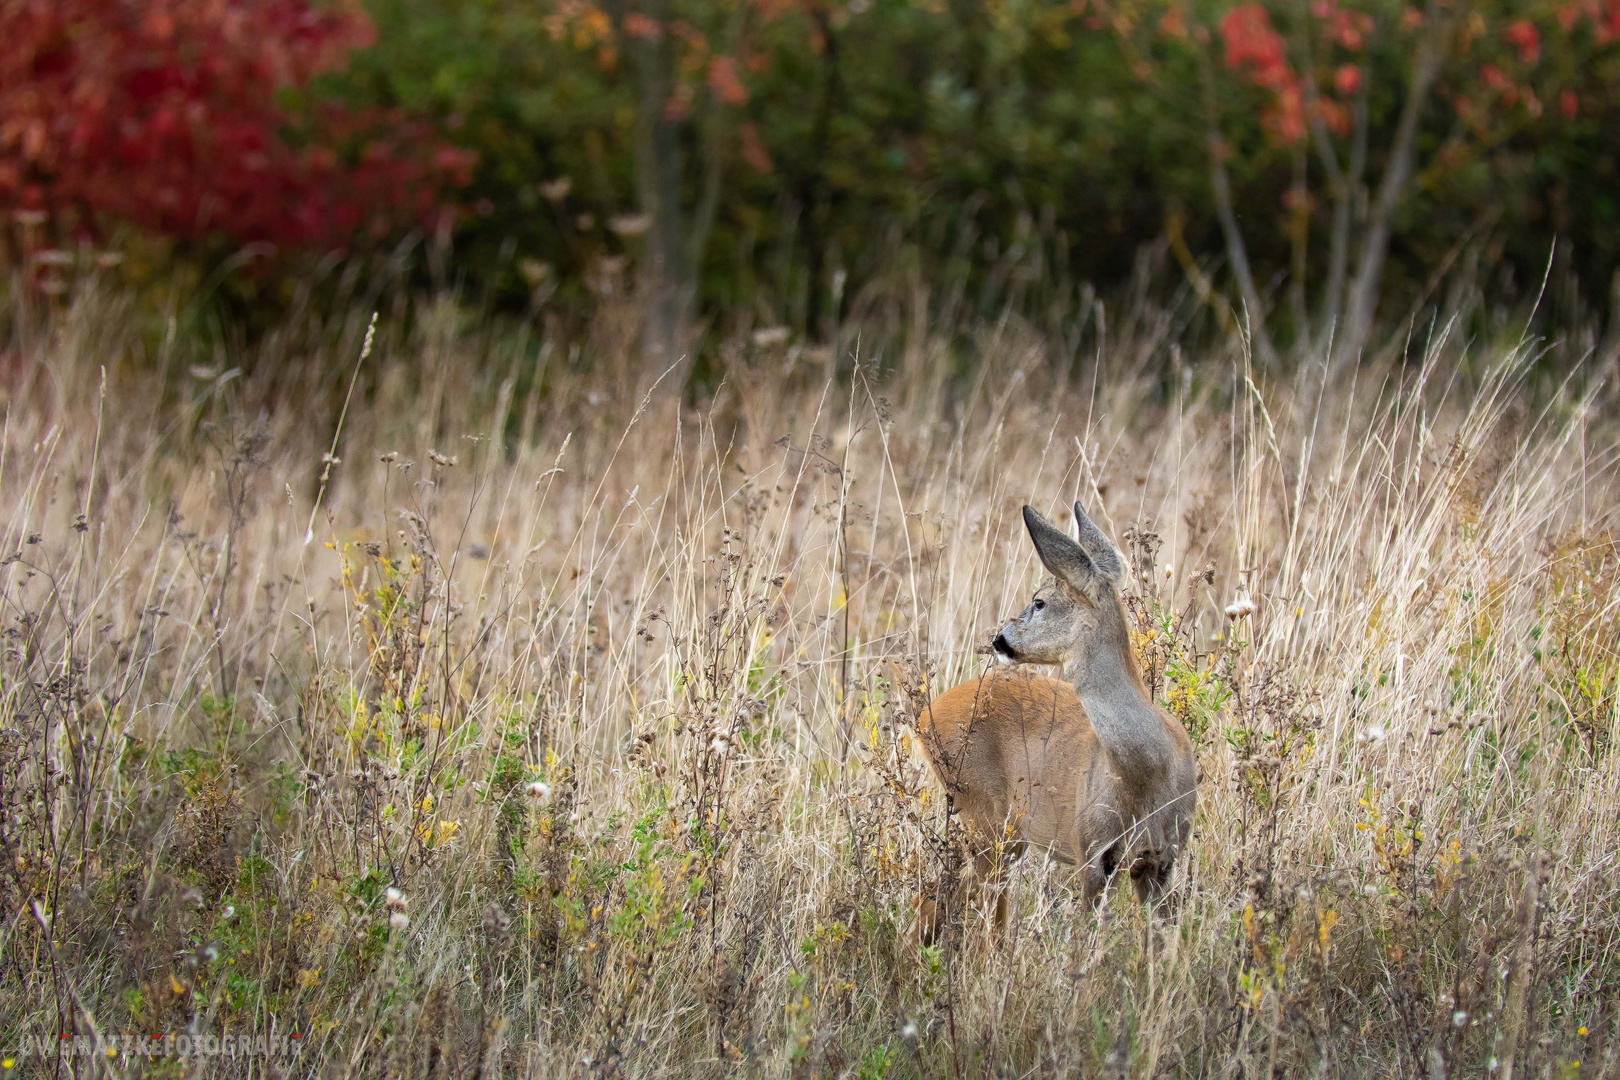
(1001, 645)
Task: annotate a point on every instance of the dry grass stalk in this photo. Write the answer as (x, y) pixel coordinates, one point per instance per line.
(577, 741)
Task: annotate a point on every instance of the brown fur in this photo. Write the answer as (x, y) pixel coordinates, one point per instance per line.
(1022, 762)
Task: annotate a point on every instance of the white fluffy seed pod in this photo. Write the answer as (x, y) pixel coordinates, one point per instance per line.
(1241, 607)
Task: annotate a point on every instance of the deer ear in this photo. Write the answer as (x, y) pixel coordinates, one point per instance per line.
(1061, 555)
(1104, 556)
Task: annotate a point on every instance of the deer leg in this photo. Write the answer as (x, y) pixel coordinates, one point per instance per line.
(1143, 874)
(934, 905)
(1092, 883)
(1150, 878)
(985, 887)
(929, 915)
(1094, 878)
(982, 884)
(991, 867)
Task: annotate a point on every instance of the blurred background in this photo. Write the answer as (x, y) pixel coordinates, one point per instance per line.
(672, 179)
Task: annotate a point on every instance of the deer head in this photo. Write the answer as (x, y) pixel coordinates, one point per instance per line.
(1075, 618)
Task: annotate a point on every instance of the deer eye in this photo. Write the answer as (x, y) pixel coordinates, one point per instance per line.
(1038, 604)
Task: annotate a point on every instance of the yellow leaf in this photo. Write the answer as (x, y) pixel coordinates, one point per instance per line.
(1327, 918)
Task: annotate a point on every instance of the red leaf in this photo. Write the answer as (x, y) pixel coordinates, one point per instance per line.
(1254, 46)
(1334, 115)
(637, 25)
(1524, 36)
(753, 150)
(724, 82)
(1250, 39)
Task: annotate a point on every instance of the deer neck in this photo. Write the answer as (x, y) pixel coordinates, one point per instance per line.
(1127, 722)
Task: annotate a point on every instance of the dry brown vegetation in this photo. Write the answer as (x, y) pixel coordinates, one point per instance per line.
(616, 691)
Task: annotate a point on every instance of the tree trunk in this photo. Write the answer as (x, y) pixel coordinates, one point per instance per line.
(1363, 298)
(1343, 186)
(658, 182)
(1237, 254)
(816, 198)
(1299, 234)
(673, 255)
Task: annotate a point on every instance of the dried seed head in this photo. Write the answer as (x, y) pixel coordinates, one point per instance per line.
(396, 899)
(399, 920)
(540, 789)
(1241, 607)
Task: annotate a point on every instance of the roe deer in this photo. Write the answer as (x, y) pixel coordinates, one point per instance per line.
(1088, 767)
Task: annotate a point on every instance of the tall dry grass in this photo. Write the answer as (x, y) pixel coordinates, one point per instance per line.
(615, 693)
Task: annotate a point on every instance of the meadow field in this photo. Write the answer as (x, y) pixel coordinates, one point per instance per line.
(474, 711)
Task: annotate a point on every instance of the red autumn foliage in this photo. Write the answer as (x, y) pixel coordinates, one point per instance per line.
(697, 67)
(166, 115)
(1253, 45)
(1347, 29)
(724, 82)
(1258, 52)
(1335, 115)
(637, 25)
(753, 148)
(1524, 36)
(1604, 15)
(1251, 41)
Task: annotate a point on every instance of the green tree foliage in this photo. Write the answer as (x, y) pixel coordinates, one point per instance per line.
(1311, 164)
(817, 145)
